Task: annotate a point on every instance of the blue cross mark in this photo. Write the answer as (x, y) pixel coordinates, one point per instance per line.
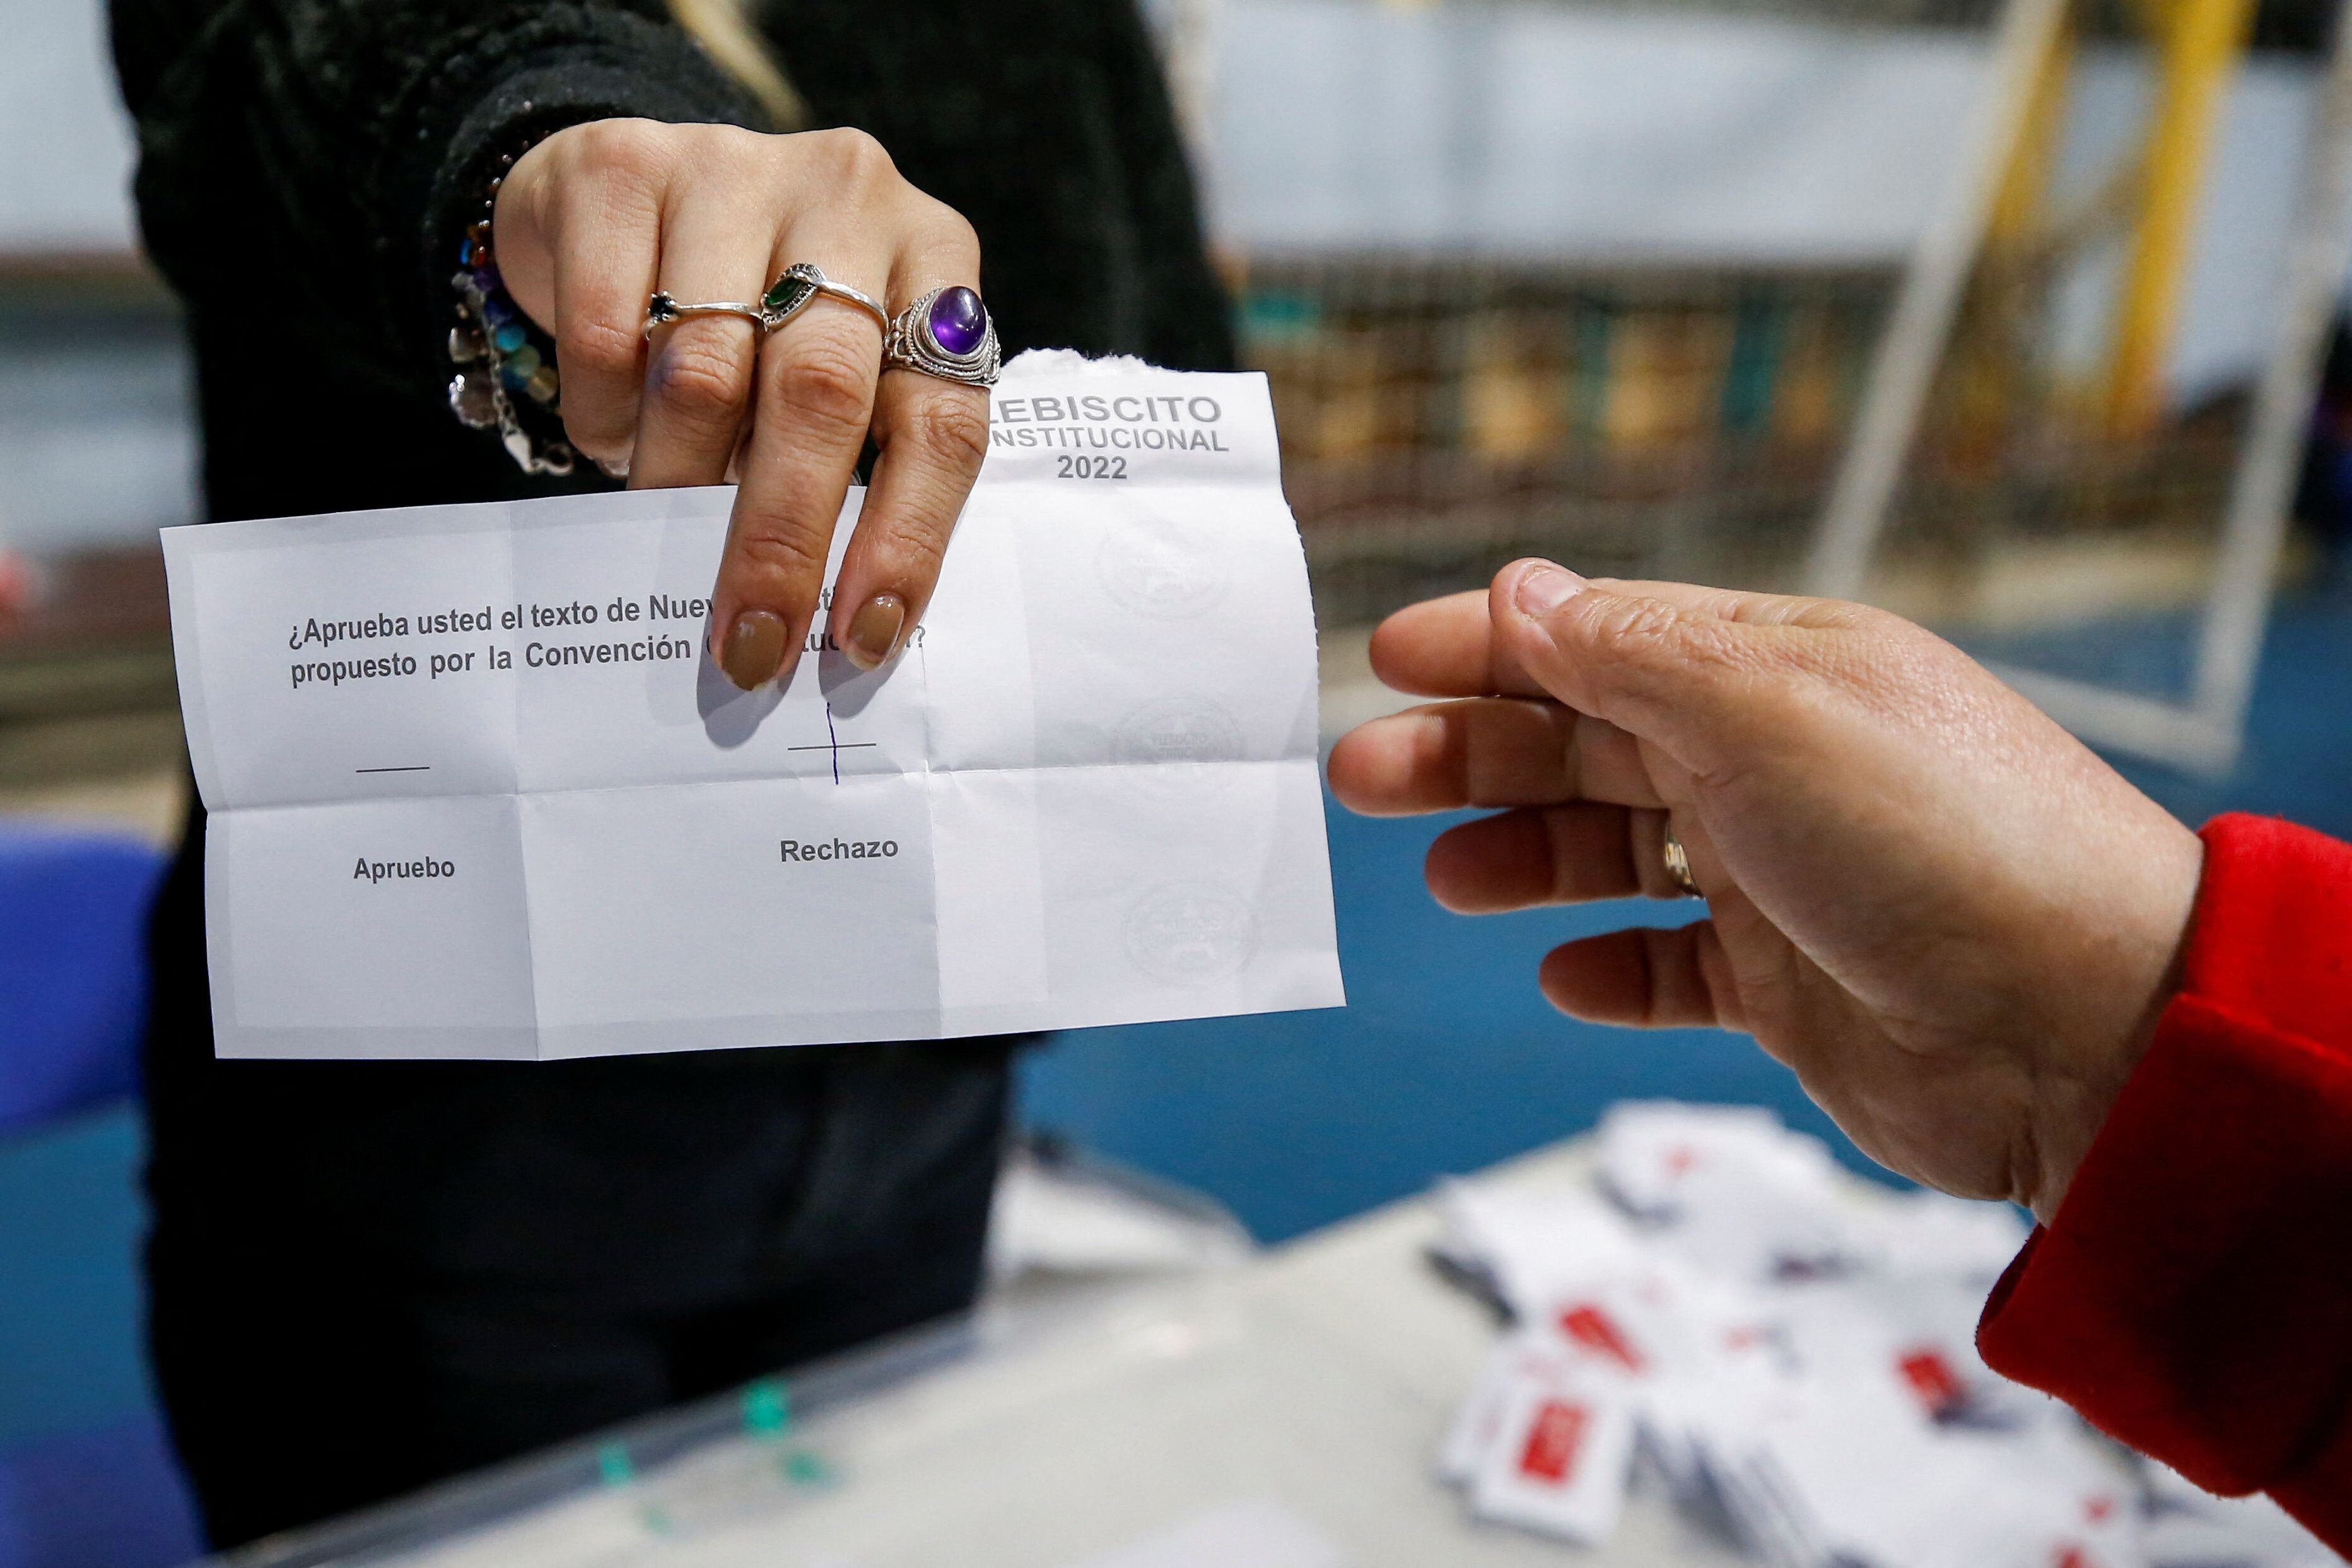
(834, 743)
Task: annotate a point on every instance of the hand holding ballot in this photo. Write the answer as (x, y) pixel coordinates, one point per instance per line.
(597, 217)
(1955, 922)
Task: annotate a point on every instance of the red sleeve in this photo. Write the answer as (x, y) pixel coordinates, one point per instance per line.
(2193, 1296)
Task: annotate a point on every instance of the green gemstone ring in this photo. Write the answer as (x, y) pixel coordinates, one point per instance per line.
(803, 282)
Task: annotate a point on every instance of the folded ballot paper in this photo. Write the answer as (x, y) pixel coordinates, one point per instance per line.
(477, 791)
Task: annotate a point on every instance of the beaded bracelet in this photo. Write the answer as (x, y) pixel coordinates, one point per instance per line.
(501, 372)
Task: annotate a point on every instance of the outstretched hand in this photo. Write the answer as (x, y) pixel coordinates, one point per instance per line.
(1955, 922)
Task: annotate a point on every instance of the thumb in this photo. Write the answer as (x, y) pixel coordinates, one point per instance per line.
(1682, 676)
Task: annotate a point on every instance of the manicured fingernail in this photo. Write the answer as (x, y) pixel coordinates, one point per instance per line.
(755, 648)
(1544, 588)
(874, 630)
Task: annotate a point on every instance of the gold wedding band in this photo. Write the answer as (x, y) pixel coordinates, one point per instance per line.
(1677, 861)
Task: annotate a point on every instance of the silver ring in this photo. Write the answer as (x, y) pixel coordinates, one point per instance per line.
(1677, 861)
(803, 281)
(948, 333)
(661, 309)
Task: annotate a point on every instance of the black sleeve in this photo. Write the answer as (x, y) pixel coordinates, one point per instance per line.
(1190, 325)
(307, 166)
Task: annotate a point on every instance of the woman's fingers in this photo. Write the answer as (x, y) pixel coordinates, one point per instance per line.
(598, 278)
(1485, 752)
(930, 439)
(1644, 978)
(930, 436)
(597, 217)
(815, 400)
(698, 372)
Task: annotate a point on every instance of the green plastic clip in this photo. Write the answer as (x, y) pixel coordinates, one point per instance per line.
(767, 1410)
(613, 1466)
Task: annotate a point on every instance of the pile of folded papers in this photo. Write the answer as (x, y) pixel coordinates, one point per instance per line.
(1789, 1355)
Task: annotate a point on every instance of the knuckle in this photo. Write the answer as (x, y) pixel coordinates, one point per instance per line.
(730, 140)
(941, 228)
(952, 429)
(1725, 645)
(745, 155)
(825, 387)
(1654, 652)
(855, 157)
(912, 555)
(597, 348)
(605, 446)
(618, 149)
(701, 377)
(1662, 960)
(603, 429)
(1635, 630)
(772, 549)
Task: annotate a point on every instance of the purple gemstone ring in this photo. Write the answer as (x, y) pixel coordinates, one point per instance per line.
(948, 333)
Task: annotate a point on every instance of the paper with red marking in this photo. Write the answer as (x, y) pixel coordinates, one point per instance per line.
(1794, 1356)
(1559, 1459)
